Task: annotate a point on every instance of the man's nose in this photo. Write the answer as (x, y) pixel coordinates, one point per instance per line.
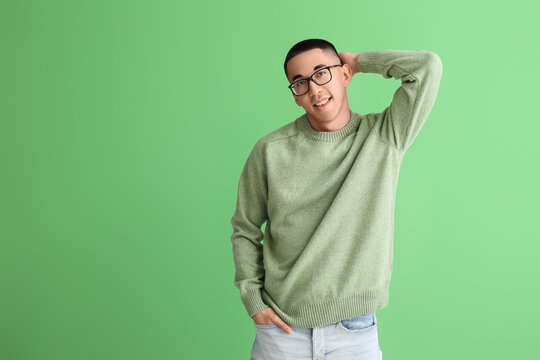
(314, 88)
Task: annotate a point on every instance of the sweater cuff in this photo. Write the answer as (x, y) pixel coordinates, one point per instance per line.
(253, 301)
(372, 62)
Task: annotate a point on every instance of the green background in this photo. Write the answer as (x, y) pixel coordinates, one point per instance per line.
(124, 129)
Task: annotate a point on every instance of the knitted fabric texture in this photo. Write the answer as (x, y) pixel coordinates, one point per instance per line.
(328, 202)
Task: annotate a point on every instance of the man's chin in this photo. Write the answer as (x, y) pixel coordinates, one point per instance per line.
(319, 114)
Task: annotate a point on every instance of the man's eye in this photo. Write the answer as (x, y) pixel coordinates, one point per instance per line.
(321, 73)
(300, 83)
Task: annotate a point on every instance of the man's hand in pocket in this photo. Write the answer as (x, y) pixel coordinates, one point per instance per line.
(268, 316)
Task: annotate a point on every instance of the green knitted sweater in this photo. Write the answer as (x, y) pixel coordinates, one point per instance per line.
(328, 202)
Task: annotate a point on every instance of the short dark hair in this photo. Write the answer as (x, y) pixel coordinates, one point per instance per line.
(309, 44)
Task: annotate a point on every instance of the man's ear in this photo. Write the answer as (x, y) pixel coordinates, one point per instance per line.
(347, 73)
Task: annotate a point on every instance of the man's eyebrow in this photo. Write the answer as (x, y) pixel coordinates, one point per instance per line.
(315, 68)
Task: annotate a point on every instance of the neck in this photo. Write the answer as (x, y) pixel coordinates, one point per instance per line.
(342, 119)
(337, 135)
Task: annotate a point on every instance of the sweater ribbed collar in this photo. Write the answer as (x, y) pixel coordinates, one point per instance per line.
(352, 126)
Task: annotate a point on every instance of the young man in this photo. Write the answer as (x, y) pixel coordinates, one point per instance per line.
(325, 186)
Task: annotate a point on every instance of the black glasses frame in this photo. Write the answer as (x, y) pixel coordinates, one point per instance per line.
(311, 78)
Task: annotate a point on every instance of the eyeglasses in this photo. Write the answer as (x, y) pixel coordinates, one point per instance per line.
(319, 77)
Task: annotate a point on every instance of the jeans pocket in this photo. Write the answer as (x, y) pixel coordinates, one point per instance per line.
(264, 326)
(360, 323)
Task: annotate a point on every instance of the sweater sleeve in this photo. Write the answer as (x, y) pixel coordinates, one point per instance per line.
(420, 73)
(250, 214)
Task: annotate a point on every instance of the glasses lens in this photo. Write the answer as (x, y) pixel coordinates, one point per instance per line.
(322, 77)
(300, 87)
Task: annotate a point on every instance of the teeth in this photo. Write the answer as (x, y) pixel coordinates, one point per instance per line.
(322, 102)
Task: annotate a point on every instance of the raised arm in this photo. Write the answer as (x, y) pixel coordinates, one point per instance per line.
(250, 214)
(420, 73)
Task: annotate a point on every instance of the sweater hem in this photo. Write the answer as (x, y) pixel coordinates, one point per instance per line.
(310, 315)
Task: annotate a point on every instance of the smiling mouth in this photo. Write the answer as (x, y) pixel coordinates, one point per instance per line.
(325, 104)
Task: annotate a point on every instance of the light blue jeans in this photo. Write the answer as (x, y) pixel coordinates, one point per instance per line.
(354, 338)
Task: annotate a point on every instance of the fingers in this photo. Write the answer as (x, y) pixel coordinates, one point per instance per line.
(268, 314)
(283, 325)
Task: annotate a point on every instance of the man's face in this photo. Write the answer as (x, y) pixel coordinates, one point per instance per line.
(305, 64)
